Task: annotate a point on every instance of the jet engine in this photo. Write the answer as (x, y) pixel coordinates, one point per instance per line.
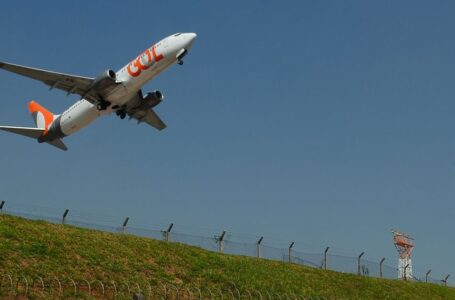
(154, 98)
(104, 81)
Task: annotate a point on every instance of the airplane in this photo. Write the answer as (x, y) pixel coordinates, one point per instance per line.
(111, 91)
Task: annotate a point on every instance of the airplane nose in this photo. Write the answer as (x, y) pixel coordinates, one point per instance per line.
(191, 37)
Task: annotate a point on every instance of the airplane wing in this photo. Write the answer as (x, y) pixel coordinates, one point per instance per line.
(72, 84)
(143, 113)
(149, 117)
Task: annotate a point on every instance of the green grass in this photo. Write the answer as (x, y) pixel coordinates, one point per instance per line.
(37, 248)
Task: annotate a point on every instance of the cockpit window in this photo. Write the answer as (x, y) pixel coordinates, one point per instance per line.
(177, 34)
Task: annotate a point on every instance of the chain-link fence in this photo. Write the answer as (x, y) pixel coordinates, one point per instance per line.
(222, 242)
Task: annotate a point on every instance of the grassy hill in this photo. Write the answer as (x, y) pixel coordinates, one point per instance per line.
(39, 251)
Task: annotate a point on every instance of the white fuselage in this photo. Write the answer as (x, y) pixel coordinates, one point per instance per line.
(131, 78)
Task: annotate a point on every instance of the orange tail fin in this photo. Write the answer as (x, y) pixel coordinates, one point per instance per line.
(43, 118)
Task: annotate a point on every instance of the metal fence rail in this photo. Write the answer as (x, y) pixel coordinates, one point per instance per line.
(225, 243)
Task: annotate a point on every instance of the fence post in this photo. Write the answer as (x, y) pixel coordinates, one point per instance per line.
(380, 267)
(325, 257)
(65, 213)
(358, 262)
(220, 240)
(138, 296)
(258, 247)
(290, 249)
(404, 272)
(167, 233)
(1, 206)
(445, 279)
(426, 275)
(124, 224)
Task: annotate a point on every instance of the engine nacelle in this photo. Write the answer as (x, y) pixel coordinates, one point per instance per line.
(154, 98)
(104, 81)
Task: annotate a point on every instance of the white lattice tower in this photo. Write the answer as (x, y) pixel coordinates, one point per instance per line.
(404, 244)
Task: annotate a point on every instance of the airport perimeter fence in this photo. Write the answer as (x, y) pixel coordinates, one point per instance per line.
(221, 242)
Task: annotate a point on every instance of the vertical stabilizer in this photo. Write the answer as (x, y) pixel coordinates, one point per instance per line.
(43, 118)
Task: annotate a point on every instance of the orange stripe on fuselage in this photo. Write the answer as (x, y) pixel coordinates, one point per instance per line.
(48, 116)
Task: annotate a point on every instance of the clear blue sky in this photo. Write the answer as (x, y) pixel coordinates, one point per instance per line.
(323, 122)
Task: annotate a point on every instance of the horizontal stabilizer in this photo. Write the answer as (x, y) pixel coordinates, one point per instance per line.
(58, 143)
(25, 131)
(34, 133)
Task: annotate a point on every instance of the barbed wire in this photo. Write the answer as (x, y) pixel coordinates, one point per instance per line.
(36, 287)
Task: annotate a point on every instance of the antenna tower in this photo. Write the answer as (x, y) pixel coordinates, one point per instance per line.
(404, 244)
